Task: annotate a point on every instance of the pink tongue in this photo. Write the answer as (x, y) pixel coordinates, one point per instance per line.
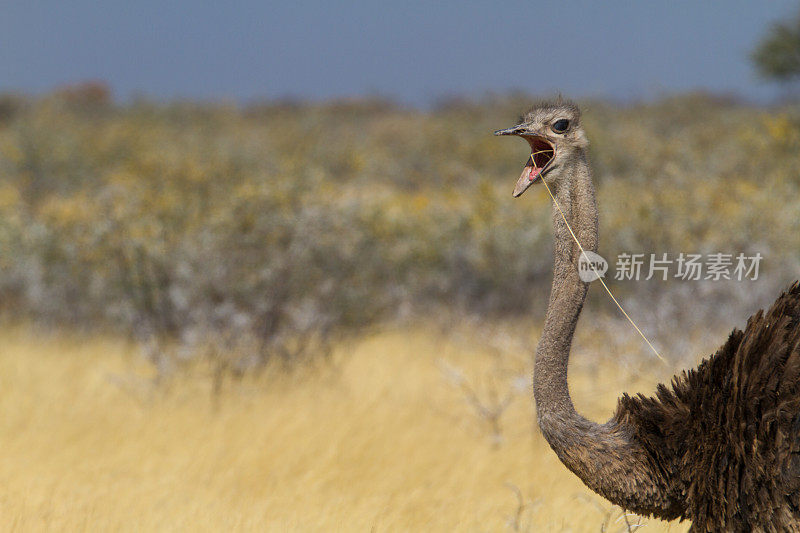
(533, 171)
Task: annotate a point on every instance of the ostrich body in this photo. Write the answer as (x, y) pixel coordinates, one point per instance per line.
(721, 445)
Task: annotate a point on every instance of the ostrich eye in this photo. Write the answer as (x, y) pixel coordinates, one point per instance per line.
(561, 125)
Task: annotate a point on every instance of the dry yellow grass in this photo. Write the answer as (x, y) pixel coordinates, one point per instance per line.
(377, 440)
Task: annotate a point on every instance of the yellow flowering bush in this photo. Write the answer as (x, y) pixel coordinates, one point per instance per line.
(272, 227)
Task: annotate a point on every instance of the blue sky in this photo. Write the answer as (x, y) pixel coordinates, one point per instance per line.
(412, 51)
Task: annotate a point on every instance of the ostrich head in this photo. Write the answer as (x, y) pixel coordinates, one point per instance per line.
(553, 131)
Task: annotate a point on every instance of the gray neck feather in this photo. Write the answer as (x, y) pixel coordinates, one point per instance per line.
(577, 200)
(604, 456)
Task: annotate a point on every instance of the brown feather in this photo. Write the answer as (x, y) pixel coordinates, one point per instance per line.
(726, 435)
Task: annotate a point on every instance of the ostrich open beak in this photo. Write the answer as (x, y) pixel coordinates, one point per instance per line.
(542, 154)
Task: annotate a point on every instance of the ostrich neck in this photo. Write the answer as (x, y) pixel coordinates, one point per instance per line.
(605, 456)
(576, 199)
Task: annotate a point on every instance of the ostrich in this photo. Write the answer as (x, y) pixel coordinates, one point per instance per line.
(721, 446)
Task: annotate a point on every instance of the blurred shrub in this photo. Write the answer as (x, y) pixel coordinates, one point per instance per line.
(264, 231)
(85, 95)
(777, 55)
